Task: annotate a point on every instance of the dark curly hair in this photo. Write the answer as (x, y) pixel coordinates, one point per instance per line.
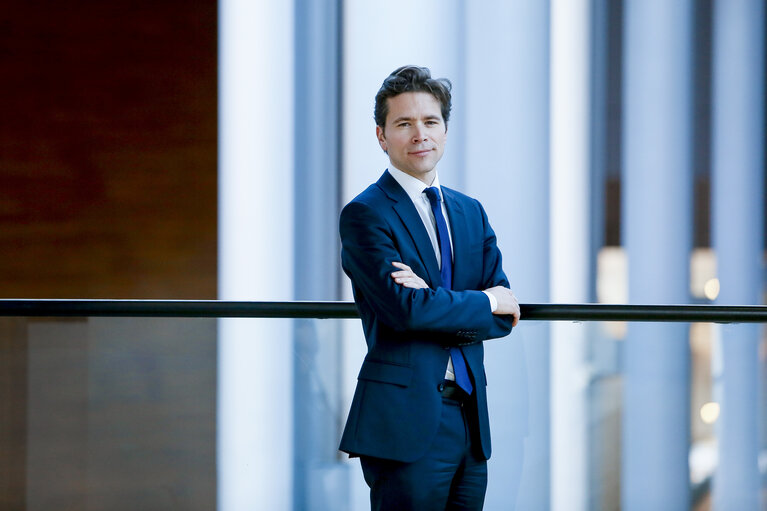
(411, 79)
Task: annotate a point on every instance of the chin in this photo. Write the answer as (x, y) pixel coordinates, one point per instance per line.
(425, 169)
(422, 167)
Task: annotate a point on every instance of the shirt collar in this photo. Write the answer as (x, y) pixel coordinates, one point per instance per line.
(413, 186)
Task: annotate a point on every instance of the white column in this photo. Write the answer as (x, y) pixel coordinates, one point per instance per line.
(319, 475)
(377, 39)
(255, 375)
(738, 224)
(570, 248)
(657, 221)
(506, 109)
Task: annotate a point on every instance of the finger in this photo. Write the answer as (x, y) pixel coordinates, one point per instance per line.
(401, 277)
(402, 266)
(404, 278)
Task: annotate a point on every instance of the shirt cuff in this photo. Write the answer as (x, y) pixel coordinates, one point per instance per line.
(493, 301)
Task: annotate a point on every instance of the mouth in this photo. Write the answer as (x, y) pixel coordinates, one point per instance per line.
(423, 152)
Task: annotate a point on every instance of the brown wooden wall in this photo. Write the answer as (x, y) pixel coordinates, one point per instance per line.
(108, 189)
(108, 133)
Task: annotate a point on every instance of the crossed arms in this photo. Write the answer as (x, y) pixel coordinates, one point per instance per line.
(507, 302)
(401, 299)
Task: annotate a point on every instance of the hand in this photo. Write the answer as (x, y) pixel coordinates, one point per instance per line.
(406, 277)
(507, 302)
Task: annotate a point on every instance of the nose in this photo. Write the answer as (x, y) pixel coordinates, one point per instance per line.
(419, 134)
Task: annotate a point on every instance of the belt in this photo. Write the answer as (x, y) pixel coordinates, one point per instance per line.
(450, 390)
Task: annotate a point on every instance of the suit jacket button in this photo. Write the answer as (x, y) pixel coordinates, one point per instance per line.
(441, 387)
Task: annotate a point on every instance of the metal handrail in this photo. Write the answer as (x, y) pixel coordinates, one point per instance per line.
(345, 310)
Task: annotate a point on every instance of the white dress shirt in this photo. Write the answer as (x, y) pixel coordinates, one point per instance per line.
(414, 188)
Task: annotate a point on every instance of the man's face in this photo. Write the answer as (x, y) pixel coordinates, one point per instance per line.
(414, 135)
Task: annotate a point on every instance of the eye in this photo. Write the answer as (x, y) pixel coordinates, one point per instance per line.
(403, 125)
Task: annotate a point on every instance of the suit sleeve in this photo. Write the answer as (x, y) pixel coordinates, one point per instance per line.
(493, 275)
(368, 249)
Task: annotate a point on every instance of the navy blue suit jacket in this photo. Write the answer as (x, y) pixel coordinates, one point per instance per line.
(397, 406)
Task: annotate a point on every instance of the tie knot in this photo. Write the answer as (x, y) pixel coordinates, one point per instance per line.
(433, 194)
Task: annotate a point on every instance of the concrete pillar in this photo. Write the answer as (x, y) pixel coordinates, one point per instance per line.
(738, 224)
(570, 248)
(255, 358)
(399, 40)
(320, 477)
(506, 167)
(657, 235)
(376, 41)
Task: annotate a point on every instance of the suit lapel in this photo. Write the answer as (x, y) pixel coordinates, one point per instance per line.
(459, 229)
(407, 213)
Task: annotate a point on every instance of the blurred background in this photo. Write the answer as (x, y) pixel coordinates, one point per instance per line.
(203, 150)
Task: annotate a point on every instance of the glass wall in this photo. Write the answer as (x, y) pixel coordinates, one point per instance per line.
(108, 413)
(122, 413)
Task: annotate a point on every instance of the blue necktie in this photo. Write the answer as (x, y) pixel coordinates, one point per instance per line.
(446, 256)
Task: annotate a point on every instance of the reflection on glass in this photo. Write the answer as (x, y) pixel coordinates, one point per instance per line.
(121, 413)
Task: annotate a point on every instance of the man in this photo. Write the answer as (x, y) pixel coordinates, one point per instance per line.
(429, 286)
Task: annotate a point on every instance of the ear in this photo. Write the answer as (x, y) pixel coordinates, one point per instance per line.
(381, 138)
